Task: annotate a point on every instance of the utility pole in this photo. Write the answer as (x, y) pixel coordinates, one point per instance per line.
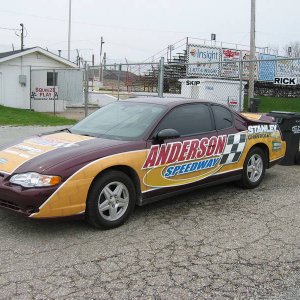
(22, 36)
(252, 53)
(69, 31)
(78, 58)
(104, 60)
(101, 68)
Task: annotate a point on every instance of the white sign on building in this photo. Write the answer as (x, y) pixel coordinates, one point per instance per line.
(285, 80)
(231, 68)
(203, 61)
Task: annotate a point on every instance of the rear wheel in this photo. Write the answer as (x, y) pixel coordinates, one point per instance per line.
(111, 200)
(254, 168)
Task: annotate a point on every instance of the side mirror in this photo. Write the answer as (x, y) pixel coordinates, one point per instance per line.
(166, 134)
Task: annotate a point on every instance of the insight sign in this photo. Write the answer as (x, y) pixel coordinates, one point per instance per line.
(204, 60)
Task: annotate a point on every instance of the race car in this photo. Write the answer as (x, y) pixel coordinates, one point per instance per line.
(134, 152)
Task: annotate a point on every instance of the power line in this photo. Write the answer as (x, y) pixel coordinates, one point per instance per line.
(6, 28)
(104, 26)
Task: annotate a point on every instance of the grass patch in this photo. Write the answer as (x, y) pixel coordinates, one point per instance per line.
(16, 116)
(268, 104)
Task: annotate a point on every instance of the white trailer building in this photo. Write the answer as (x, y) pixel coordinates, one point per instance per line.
(29, 80)
(221, 91)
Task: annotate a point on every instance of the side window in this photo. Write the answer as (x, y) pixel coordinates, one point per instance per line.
(188, 119)
(223, 117)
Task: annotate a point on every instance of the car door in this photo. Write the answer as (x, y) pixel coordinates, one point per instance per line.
(178, 162)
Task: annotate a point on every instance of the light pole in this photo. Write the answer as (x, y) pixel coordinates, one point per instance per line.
(101, 67)
(69, 30)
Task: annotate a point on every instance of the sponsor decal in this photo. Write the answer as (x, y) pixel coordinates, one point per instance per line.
(17, 153)
(191, 160)
(296, 129)
(3, 161)
(186, 151)
(50, 141)
(263, 131)
(262, 128)
(28, 149)
(276, 146)
(191, 167)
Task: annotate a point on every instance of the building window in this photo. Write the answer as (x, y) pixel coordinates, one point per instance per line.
(51, 80)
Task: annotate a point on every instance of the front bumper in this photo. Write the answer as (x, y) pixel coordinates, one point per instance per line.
(22, 200)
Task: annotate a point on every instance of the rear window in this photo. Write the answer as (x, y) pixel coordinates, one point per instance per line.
(223, 117)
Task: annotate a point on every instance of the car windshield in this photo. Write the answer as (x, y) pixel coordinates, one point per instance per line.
(120, 120)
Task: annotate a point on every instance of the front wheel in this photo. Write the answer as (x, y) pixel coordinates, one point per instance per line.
(254, 168)
(111, 200)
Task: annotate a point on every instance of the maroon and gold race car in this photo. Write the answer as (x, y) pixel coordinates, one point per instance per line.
(135, 152)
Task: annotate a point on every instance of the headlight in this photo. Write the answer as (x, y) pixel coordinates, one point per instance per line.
(35, 180)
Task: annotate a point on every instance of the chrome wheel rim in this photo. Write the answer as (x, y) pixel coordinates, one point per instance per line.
(255, 168)
(113, 201)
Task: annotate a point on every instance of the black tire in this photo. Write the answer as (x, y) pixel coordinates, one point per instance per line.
(247, 181)
(103, 191)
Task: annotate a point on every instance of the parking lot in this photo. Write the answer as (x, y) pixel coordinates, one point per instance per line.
(217, 243)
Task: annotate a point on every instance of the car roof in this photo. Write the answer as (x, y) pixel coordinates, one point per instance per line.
(169, 102)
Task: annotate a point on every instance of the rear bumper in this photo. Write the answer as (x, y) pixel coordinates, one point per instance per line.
(275, 162)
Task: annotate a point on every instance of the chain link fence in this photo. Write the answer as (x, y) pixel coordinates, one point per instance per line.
(226, 82)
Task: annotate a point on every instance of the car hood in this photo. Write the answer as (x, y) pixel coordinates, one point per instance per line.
(58, 151)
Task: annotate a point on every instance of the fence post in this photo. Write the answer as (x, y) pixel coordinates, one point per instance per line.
(161, 77)
(54, 108)
(86, 89)
(30, 98)
(119, 73)
(241, 86)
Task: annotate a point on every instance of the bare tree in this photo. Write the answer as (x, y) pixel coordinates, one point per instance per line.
(292, 49)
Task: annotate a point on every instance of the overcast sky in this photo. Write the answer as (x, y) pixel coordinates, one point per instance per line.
(137, 29)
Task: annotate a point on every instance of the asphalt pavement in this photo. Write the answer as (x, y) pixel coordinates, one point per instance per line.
(216, 243)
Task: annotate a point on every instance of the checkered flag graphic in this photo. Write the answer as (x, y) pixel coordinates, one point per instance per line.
(234, 148)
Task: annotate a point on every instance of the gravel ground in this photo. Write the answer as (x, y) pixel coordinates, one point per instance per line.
(8, 134)
(216, 243)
